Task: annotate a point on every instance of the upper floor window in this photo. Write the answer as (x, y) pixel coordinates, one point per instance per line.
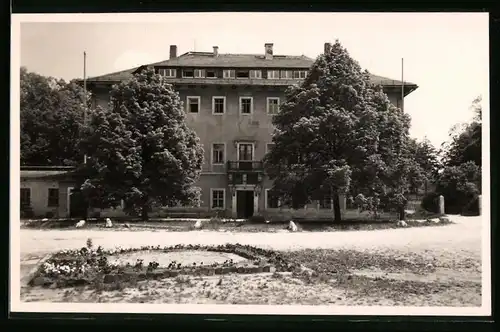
(167, 72)
(188, 73)
(210, 73)
(286, 74)
(199, 73)
(242, 74)
(218, 105)
(273, 74)
(300, 74)
(218, 153)
(228, 73)
(255, 74)
(246, 105)
(269, 147)
(273, 105)
(193, 104)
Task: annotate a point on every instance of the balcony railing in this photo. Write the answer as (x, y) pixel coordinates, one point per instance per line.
(245, 166)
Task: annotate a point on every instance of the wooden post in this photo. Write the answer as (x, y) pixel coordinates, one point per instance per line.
(479, 201)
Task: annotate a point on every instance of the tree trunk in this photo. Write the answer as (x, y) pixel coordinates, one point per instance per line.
(336, 208)
(144, 212)
(402, 213)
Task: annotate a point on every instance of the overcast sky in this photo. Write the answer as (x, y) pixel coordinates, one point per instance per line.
(446, 55)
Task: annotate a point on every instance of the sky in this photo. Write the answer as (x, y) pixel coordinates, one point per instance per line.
(445, 54)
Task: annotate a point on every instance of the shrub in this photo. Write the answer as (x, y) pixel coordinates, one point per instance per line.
(430, 202)
(257, 220)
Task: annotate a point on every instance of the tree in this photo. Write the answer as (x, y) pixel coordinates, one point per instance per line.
(334, 133)
(51, 119)
(460, 179)
(465, 142)
(140, 149)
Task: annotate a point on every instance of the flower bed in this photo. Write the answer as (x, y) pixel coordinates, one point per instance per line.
(88, 265)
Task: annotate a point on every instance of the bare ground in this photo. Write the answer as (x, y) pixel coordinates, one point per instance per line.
(431, 266)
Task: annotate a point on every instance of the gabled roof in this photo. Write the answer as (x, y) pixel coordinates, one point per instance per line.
(207, 60)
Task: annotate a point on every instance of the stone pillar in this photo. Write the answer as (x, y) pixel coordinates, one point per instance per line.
(234, 212)
(479, 202)
(441, 204)
(256, 203)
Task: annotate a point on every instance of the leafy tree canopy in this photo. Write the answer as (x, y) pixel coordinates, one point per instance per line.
(141, 150)
(51, 119)
(337, 133)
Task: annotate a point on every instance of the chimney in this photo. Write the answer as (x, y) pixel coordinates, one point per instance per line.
(269, 51)
(328, 47)
(173, 51)
(216, 51)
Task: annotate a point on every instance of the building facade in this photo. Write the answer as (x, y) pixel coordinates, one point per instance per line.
(230, 100)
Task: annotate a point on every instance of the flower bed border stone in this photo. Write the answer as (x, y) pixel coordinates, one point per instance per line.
(264, 261)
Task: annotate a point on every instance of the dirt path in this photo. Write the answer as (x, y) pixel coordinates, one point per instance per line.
(463, 236)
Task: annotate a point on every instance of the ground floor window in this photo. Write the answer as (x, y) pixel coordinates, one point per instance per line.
(53, 197)
(325, 202)
(217, 198)
(25, 197)
(272, 200)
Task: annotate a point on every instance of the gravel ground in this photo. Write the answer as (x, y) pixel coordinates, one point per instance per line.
(462, 237)
(455, 250)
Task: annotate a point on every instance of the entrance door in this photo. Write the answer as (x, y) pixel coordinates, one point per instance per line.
(77, 206)
(244, 203)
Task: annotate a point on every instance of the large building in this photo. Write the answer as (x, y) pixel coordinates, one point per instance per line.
(229, 100)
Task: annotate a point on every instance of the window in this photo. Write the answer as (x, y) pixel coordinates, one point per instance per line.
(217, 198)
(218, 105)
(193, 104)
(210, 73)
(286, 74)
(199, 73)
(242, 74)
(255, 74)
(167, 72)
(25, 197)
(245, 151)
(228, 73)
(272, 200)
(53, 199)
(300, 74)
(269, 147)
(273, 74)
(273, 105)
(325, 202)
(246, 105)
(218, 150)
(188, 73)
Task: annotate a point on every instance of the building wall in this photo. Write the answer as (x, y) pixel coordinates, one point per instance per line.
(39, 189)
(228, 128)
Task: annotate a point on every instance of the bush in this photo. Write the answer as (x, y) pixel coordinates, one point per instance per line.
(430, 202)
(257, 220)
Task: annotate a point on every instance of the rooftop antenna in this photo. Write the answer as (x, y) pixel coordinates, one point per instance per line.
(84, 96)
(402, 86)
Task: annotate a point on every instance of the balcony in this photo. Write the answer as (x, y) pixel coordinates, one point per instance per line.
(245, 166)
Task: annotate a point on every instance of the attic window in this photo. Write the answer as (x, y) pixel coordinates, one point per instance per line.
(242, 74)
(189, 73)
(210, 73)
